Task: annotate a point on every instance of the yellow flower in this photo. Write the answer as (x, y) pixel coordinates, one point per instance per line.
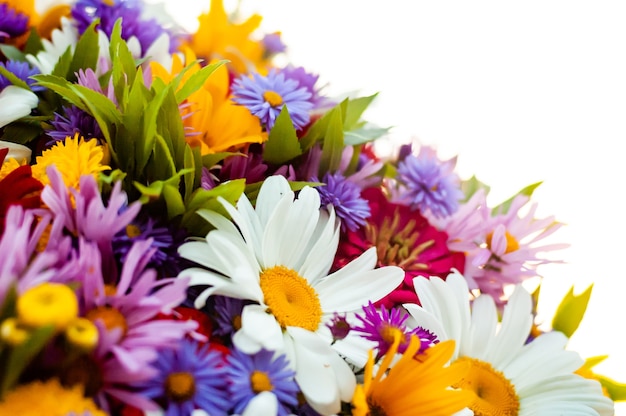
(48, 398)
(218, 37)
(82, 334)
(217, 123)
(47, 304)
(414, 385)
(73, 157)
(12, 332)
(9, 166)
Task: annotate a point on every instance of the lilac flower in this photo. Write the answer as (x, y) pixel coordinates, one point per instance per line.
(21, 70)
(381, 327)
(265, 96)
(189, 377)
(261, 383)
(429, 184)
(146, 31)
(74, 121)
(12, 23)
(345, 196)
(273, 43)
(307, 80)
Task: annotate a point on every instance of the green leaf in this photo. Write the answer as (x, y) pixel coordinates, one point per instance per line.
(471, 186)
(364, 135)
(124, 66)
(195, 81)
(571, 311)
(503, 208)
(355, 110)
(173, 201)
(13, 79)
(86, 52)
(33, 43)
(333, 145)
(615, 390)
(12, 53)
(21, 132)
(282, 144)
(62, 67)
(7, 307)
(213, 159)
(22, 356)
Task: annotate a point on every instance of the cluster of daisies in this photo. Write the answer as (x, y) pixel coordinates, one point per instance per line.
(189, 228)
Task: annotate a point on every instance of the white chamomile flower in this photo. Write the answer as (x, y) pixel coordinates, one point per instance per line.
(16, 102)
(279, 255)
(61, 39)
(508, 375)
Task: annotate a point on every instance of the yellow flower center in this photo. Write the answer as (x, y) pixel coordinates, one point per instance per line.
(511, 242)
(259, 381)
(109, 316)
(396, 244)
(180, 386)
(388, 334)
(133, 231)
(273, 98)
(47, 304)
(236, 322)
(12, 333)
(290, 298)
(82, 333)
(494, 393)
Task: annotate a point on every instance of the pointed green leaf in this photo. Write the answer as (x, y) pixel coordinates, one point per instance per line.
(615, 390)
(7, 307)
(571, 311)
(503, 208)
(195, 81)
(33, 43)
(13, 79)
(471, 186)
(62, 67)
(12, 53)
(173, 201)
(124, 65)
(364, 135)
(213, 159)
(282, 144)
(355, 110)
(333, 145)
(86, 52)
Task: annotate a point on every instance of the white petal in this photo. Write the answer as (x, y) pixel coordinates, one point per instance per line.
(264, 403)
(259, 327)
(16, 102)
(483, 325)
(273, 190)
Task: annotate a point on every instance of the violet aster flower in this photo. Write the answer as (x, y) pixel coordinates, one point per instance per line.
(273, 43)
(429, 184)
(308, 80)
(381, 326)
(12, 23)
(189, 377)
(345, 196)
(74, 121)
(228, 314)
(146, 31)
(262, 383)
(265, 96)
(21, 70)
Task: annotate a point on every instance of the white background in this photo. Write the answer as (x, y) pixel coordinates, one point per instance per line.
(520, 91)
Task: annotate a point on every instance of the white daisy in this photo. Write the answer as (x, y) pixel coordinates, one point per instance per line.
(279, 256)
(16, 102)
(61, 39)
(509, 376)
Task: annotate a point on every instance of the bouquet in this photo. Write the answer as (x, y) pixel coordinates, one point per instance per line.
(189, 226)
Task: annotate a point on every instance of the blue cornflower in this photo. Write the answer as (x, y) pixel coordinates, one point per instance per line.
(190, 377)
(381, 326)
(431, 184)
(108, 11)
(345, 196)
(12, 22)
(74, 121)
(21, 70)
(265, 96)
(261, 380)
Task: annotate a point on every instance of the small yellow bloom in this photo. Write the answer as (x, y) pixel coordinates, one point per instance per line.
(82, 333)
(48, 398)
(47, 304)
(73, 157)
(9, 166)
(12, 332)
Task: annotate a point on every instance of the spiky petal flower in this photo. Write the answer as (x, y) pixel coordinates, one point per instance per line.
(261, 383)
(345, 196)
(21, 70)
(429, 184)
(265, 97)
(404, 238)
(13, 22)
(72, 122)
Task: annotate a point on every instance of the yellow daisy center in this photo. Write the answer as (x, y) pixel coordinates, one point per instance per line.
(290, 298)
(110, 317)
(82, 333)
(47, 304)
(494, 393)
(511, 243)
(180, 386)
(133, 231)
(388, 334)
(259, 381)
(273, 98)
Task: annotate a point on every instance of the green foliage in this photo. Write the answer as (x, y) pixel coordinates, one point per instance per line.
(12, 53)
(282, 144)
(24, 130)
(571, 311)
(471, 186)
(615, 389)
(13, 79)
(503, 208)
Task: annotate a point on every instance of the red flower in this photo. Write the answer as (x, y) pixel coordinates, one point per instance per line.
(404, 238)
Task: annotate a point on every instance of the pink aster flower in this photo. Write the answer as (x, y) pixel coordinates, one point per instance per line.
(512, 249)
(403, 238)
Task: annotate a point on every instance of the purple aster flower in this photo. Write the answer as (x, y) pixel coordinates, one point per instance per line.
(227, 314)
(273, 43)
(429, 184)
(146, 31)
(265, 96)
(189, 377)
(12, 23)
(339, 327)
(308, 80)
(381, 327)
(261, 382)
(75, 121)
(345, 196)
(21, 70)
